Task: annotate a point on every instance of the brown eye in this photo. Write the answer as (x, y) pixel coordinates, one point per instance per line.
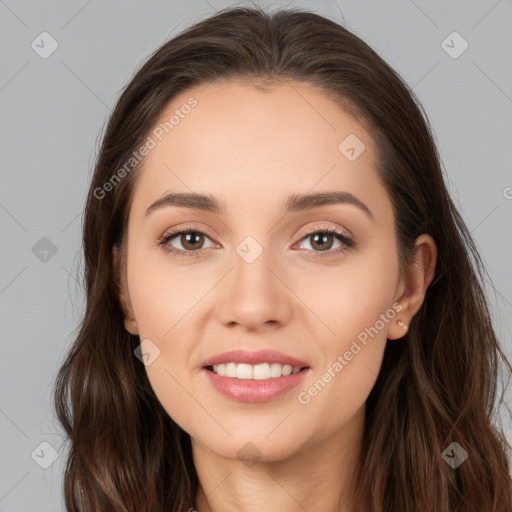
(322, 241)
(188, 241)
(191, 240)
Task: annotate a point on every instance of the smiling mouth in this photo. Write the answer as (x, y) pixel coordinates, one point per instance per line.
(262, 371)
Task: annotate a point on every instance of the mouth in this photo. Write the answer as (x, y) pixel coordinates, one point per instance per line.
(262, 382)
(263, 371)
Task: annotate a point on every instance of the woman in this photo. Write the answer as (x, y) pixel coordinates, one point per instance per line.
(284, 308)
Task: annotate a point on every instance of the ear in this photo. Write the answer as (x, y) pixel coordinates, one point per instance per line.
(414, 286)
(130, 323)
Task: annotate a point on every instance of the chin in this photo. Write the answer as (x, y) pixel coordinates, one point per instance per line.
(252, 445)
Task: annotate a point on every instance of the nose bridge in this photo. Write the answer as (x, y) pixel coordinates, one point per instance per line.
(254, 294)
(251, 265)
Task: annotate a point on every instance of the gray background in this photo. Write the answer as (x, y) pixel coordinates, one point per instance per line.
(52, 111)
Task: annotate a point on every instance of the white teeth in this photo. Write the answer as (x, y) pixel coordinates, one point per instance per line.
(261, 371)
(275, 370)
(287, 370)
(230, 370)
(243, 371)
(254, 372)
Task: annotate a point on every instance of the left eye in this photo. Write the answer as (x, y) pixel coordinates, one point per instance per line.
(324, 240)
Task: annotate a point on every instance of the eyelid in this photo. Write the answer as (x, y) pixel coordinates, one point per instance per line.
(330, 229)
(188, 227)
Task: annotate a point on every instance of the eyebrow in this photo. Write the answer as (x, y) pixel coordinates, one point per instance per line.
(294, 203)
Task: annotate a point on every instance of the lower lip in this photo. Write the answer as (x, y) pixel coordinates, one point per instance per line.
(246, 390)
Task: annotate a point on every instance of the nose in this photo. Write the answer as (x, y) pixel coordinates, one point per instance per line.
(255, 295)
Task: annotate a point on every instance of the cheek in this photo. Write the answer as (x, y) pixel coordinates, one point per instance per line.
(358, 312)
(350, 298)
(166, 303)
(160, 294)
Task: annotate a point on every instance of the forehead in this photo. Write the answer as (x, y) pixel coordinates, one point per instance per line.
(236, 141)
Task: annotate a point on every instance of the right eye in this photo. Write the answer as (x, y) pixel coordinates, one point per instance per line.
(191, 241)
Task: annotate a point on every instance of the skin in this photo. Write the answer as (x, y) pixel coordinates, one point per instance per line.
(251, 150)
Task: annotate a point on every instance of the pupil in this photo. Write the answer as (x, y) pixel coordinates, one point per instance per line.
(192, 238)
(321, 239)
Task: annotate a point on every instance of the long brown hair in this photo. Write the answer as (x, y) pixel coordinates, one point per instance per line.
(437, 385)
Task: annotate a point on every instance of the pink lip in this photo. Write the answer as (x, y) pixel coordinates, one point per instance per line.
(255, 357)
(245, 390)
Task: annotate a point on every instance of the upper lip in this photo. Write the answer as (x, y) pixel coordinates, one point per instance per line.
(253, 358)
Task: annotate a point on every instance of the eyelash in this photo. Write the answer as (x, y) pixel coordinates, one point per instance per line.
(348, 243)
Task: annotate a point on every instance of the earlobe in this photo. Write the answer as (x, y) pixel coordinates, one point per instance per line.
(130, 323)
(398, 328)
(418, 277)
(402, 325)
(131, 326)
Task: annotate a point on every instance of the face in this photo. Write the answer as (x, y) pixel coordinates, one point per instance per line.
(318, 282)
